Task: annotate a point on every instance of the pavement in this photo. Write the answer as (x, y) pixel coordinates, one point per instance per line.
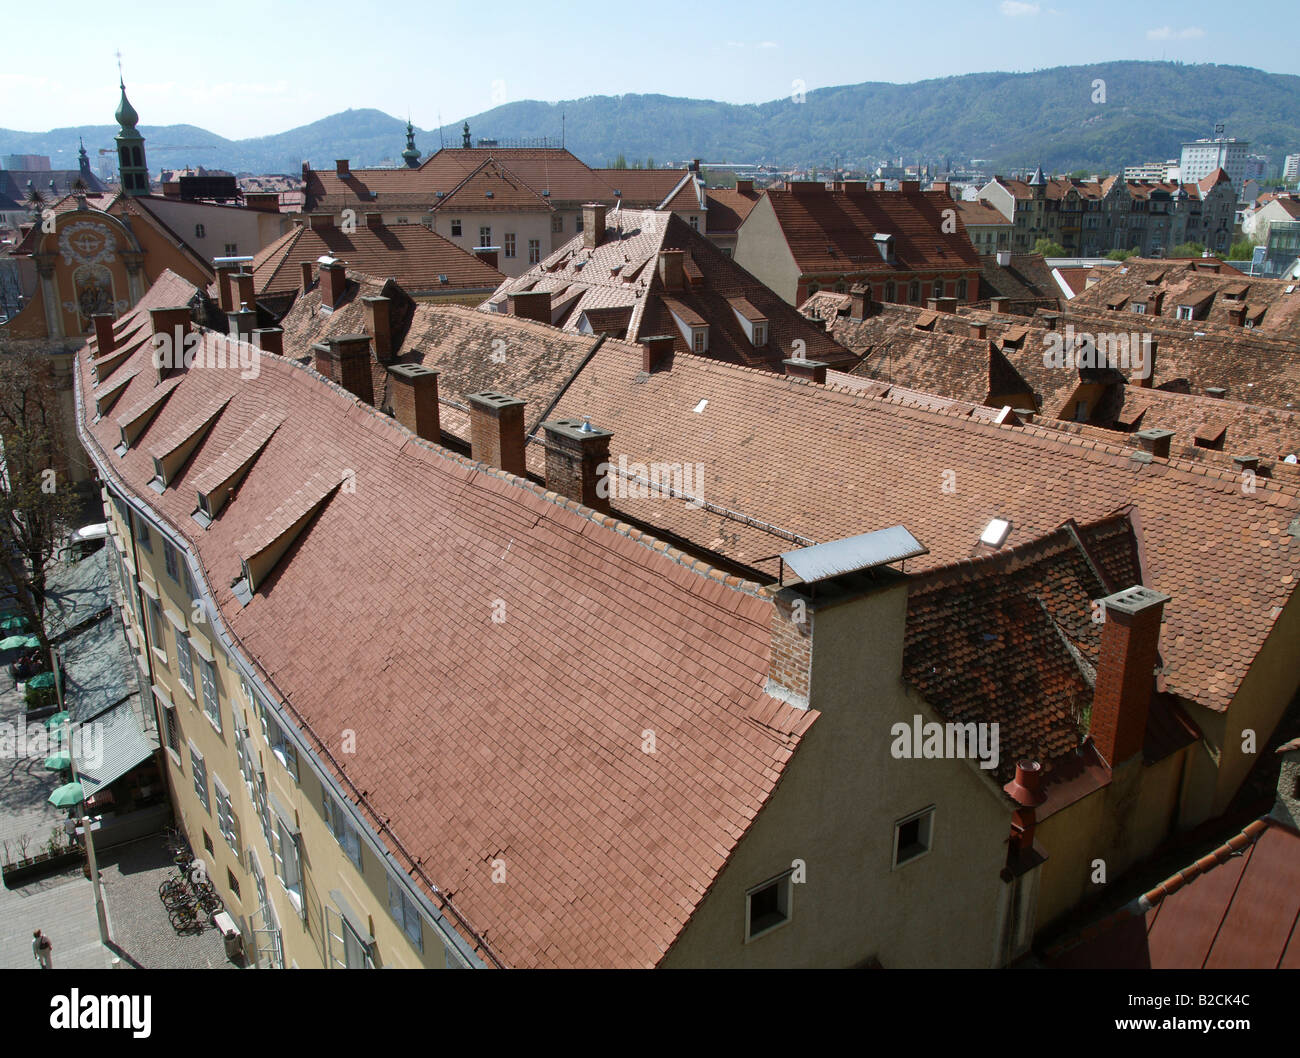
(62, 905)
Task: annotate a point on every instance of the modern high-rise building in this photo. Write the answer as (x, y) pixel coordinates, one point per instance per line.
(1200, 158)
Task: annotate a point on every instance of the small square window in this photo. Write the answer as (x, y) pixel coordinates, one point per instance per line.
(455, 229)
(913, 836)
(768, 906)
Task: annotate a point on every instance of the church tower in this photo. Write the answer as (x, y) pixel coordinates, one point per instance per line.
(411, 156)
(132, 170)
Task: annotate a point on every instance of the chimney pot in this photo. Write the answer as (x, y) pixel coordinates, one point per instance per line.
(1121, 700)
(577, 460)
(349, 361)
(225, 295)
(242, 323)
(496, 431)
(593, 224)
(269, 339)
(812, 370)
(415, 400)
(333, 283)
(656, 349)
(379, 326)
(1155, 441)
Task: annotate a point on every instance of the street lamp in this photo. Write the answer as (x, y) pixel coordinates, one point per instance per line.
(100, 912)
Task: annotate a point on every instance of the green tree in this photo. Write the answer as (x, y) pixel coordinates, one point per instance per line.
(1047, 248)
(1122, 255)
(1187, 249)
(37, 504)
(1241, 250)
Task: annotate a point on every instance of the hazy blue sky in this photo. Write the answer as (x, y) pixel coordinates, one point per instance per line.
(255, 69)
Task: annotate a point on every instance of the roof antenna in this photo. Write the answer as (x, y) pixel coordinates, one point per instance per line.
(563, 119)
(441, 142)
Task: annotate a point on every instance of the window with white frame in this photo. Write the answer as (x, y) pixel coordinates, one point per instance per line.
(913, 836)
(285, 751)
(760, 334)
(510, 244)
(485, 236)
(200, 771)
(455, 229)
(227, 822)
(557, 222)
(288, 862)
(172, 727)
(405, 912)
(185, 663)
(142, 532)
(232, 249)
(534, 251)
(695, 222)
(211, 701)
(169, 557)
(769, 906)
(157, 633)
(191, 590)
(700, 339)
(1185, 312)
(344, 832)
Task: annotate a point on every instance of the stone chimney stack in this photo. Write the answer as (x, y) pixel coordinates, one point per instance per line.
(1121, 699)
(496, 431)
(593, 224)
(415, 400)
(577, 460)
(333, 282)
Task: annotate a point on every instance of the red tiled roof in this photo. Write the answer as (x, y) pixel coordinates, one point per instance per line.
(834, 230)
(609, 849)
(1233, 909)
(412, 254)
(490, 188)
(728, 208)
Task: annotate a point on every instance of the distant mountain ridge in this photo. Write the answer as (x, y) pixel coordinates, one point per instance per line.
(1010, 119)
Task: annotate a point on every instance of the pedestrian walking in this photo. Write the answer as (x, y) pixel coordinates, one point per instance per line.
(43, 950)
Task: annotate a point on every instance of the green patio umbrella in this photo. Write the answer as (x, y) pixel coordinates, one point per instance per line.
(56, 720)
(59, 761)
(14, 623)
(41, 679)
(67, 794)
(10, 642)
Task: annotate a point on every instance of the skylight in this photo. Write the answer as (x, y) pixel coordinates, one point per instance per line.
(995, 533)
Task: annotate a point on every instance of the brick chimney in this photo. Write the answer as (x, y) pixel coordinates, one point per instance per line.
(103, 322)
(997, 304)
(262, 201)
(225, 293)
(672, 269)
(415, 399)
(860, 302)
(531, 305)
(341, 167)
(807, 187)
(656, 349)
(269, 340)
(1026, 790)
(174, 323)
(244, 289)
(305, 267)
(496, 430)
(577, 459)
(1130, 641)
(940, 185)
(379, 325)
(320, 221)
(812, 370)
(1149, 380)
(979, 330)
(242, 323)
(346, 360)
(911, 187)
(333, 281)
(745, 187)
(593, 224)
(1155, 442)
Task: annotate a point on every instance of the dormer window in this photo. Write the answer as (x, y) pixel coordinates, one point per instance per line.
(760, 334)
(700, 339)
